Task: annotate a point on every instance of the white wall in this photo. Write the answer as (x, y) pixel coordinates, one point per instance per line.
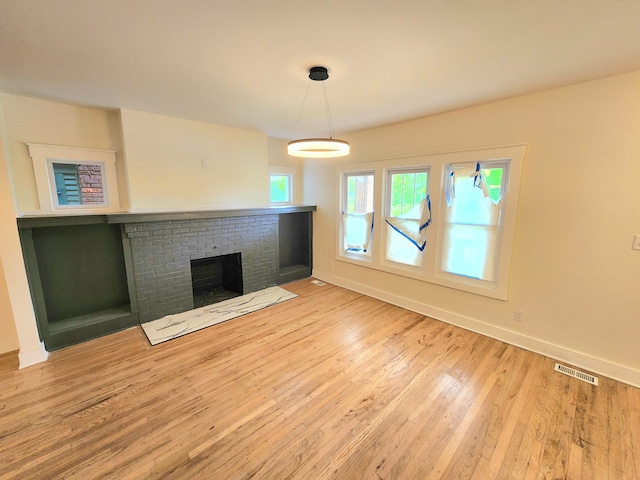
(31, 120)
(164, 158)
(8, 334)
(573, 271)
(17, 321)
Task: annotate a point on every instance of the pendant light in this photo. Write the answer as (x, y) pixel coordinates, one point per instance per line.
(318, 147)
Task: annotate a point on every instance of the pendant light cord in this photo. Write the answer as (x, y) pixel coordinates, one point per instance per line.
(326, 105)
(300, 112)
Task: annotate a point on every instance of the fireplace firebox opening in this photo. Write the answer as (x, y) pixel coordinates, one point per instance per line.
(215, 279)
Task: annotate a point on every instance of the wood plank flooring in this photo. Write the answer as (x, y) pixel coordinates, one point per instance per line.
(330, 385)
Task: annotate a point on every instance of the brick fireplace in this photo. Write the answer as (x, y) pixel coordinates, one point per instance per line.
(163, 252)
(91, 275)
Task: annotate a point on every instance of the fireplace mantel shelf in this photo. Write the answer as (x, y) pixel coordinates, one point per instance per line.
(32, 221)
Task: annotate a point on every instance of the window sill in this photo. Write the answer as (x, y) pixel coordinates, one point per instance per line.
(419, 274)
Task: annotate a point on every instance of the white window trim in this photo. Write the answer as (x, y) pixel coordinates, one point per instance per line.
(437, 165)
(43, 157)
(285, 171)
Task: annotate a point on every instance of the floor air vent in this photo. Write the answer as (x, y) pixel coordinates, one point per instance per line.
(576, 374)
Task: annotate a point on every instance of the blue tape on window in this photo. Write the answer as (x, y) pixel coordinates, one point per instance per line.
(477, 178)
(420, 247)
(408, 223)
(449, 188)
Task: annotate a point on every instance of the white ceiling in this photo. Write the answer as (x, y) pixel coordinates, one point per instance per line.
(244, 63)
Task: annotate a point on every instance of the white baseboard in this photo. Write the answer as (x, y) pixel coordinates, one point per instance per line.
(578, 359)
(32, 357)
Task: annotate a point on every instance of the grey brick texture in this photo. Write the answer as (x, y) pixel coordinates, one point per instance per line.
(162, 254)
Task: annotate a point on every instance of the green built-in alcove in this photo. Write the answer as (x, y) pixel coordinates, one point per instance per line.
(78, 281)
(295, 234)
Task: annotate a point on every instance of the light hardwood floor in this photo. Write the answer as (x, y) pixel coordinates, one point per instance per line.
(330, 385)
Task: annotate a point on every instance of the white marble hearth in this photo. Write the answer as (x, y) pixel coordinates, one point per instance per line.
(173, 326)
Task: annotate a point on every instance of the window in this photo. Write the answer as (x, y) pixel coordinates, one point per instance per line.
(282, 181)
(408, 210)
(359, 191)
(357, 212)
(78, 184)
(69, 178)
(280, 188)
(448, 218)
(474, 197)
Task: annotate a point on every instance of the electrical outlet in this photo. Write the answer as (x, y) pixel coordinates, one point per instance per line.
(636, 242)
(205, 162)
(518, 315)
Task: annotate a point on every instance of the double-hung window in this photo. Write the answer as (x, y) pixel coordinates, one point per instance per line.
(408, 214)
(357, 212)
(473, 213)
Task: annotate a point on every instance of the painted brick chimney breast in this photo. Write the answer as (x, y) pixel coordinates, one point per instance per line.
(162, 252)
